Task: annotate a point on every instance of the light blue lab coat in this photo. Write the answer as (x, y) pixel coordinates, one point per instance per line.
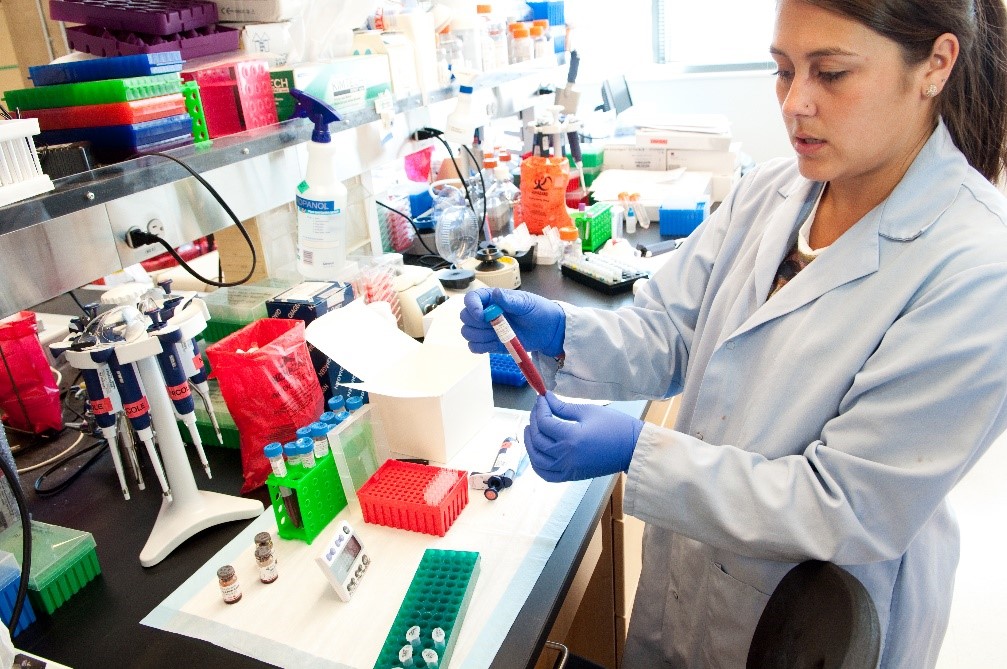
(828, 422)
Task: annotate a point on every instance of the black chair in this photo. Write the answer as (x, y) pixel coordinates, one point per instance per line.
(819, 617)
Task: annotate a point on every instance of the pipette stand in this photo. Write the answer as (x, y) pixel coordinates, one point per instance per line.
(190, 510)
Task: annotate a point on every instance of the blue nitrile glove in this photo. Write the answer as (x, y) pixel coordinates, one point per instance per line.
(570, 442)
(539, 323)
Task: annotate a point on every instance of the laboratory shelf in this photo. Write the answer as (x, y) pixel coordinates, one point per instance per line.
(72, 235)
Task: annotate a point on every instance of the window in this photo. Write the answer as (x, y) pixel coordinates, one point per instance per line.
(698, 34)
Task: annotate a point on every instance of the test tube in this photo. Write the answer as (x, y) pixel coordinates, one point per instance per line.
(429, 656)
(293, 453)
(274, 453)
(306, 448)
(413, 638)
(494, 316)
(406, 656)
(439, 637)
(303, 432)
(320, 438)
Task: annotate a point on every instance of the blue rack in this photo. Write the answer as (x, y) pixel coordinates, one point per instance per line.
(505, 371)
(119, 67)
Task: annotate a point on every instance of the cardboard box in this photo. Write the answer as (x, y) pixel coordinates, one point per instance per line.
(718, 162)
(271, 41)
(676, 139)
(274, 236)
(262, 11)
(632, 157)
(401, 58)
(349, 85)
(306, 302)
(432, 398)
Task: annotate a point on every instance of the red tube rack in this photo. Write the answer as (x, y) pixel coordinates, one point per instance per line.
(410, 496)
(110, 113)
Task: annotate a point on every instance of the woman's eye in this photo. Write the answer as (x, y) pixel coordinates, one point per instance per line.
(783, 74)
(832, 76)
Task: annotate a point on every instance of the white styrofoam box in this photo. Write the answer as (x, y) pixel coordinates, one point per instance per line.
(621, 156)
(432, 397)
(718, 162)
(652, 187)
(263, 11)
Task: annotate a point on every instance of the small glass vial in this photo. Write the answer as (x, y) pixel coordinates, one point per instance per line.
(274, 453)
(306, 449)
(267, 564)
(320, 438)
(230, 590)
(263, 539)
(522, 44)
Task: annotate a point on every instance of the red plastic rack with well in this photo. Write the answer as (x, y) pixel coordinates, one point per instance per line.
(416, 497)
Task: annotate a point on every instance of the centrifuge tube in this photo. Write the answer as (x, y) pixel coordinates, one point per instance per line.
(438, 636)
(413, 637)
(494, 316)
(406, 656)
(430, 658)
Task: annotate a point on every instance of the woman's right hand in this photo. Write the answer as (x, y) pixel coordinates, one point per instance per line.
(539, 323)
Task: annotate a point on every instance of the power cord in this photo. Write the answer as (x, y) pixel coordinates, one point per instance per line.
(136, 238)
(22, 507)
(411, 222)
(482, 184)
(99, 446)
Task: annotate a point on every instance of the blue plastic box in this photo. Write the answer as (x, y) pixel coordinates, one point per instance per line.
(552, 10)
(681, 222)
(10, 577)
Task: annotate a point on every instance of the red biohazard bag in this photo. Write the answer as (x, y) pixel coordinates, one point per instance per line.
(29, 396)
(269, 385)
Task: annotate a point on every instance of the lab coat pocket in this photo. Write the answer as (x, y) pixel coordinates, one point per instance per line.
(732, 613)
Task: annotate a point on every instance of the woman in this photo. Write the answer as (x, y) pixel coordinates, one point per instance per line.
(837, 329)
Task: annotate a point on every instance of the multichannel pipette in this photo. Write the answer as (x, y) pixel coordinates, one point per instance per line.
(494, 316)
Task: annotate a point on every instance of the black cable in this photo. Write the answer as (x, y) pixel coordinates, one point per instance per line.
(411, 222)
(482, 183)
(22, 507)
(66, 483)
(465, 182)
(148, 238)
(77, 300)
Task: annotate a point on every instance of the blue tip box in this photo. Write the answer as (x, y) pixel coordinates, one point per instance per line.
(678, 220)
(306, 302)
(10, 579)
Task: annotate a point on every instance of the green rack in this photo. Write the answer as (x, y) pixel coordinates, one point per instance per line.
(438, 597)
(594, 225)
(63, 561)
(94, 92)
(194, 107)
(319, 497)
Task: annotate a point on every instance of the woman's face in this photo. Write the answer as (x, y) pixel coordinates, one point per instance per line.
(854, 110)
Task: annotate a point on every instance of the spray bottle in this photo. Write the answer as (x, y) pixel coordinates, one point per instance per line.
(320, 198)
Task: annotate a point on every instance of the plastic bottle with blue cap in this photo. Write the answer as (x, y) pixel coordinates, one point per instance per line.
(274, 453)
(320, 438)
(321, 198)
(306, 449)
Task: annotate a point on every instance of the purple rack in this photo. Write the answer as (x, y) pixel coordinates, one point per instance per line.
(154, 17)
(204, 41)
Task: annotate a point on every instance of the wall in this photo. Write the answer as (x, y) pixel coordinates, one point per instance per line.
(748, 99)
(40, 39)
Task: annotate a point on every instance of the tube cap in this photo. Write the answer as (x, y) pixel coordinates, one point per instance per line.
(354, 403)
(341, 416)
(304, 432)
(336, 403)
(291, 449)
(319, 429)
(274, 449)
(305, 444)
(491, 312)
(329, 417)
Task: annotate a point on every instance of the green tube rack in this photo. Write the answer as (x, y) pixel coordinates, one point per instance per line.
(319, 497)
(94, 92)
(194, 107)
(438, 596)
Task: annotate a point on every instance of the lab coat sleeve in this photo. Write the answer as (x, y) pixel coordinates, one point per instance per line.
(664, 315)
(921, 411)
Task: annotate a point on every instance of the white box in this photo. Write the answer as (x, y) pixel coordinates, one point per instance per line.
(721, 184)
(718, 162)
(272, 41)
(675, 139)
(262, 11)
(401, 58)
(432, 398)
(633, 157)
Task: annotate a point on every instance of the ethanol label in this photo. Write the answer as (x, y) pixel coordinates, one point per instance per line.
(317, 206)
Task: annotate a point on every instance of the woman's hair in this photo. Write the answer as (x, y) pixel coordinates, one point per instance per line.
(973, 102)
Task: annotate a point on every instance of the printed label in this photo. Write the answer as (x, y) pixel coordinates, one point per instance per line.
(503, 330)
(108, 387)
(317, 206)
(137, 408)
(231, 593)
(268, 572)
(303, 186)
(102, 406)
(179, 392)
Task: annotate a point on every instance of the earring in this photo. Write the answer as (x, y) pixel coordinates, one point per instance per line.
(931, 91)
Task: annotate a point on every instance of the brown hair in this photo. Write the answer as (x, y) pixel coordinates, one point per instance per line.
(973, 103)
